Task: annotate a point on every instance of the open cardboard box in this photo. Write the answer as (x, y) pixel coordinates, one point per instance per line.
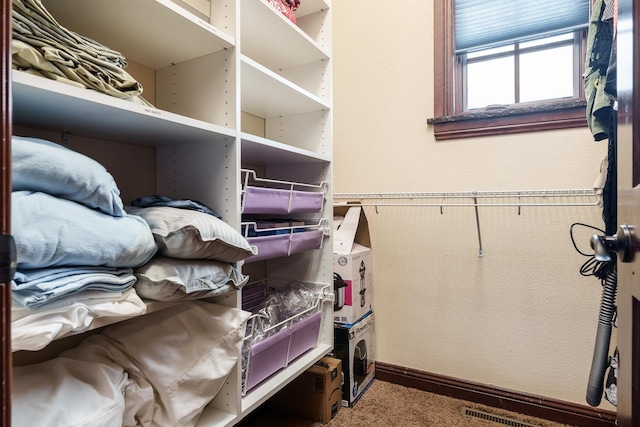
(352, 265)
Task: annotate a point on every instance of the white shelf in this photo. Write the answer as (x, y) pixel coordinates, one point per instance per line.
(153, 33)
(203, 76)
(266, 94)
(271, 39)
(262, 151)
(307, 7)
(46, 104)
(214, 417)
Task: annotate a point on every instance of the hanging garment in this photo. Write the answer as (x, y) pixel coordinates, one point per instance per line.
(599, 49)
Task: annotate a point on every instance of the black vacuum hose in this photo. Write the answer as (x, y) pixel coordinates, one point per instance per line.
(600, 360)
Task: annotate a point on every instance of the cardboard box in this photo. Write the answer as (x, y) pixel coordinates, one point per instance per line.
(315, 395)
(353, 345)
(352, 265)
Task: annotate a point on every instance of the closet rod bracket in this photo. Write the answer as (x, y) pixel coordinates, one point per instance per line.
(480, 250)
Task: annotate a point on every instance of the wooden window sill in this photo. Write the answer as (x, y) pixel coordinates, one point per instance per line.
(509, 120)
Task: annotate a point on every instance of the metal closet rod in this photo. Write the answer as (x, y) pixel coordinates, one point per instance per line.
(475, 195)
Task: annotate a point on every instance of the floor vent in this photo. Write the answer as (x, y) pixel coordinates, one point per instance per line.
(495, 418)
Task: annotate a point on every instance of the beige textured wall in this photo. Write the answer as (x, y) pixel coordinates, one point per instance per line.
(521, 317)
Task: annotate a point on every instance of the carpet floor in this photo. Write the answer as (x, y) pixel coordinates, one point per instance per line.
(385, 404)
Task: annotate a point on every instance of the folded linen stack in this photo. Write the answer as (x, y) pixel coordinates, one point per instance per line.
(72, 236)
(41, 46)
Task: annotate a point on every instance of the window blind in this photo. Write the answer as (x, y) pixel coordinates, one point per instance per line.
(481, 24)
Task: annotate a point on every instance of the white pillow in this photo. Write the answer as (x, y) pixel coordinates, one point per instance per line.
(185, 353)
(188, 234)
(170, 279)
(83, 389)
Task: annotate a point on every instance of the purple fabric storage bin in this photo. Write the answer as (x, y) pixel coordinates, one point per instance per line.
(304, 335)
(253, 296)
(305, 241)
(262, 200)
(273, 246)
(306, 201)
(268, 357)
(259, 200)
(279, 245)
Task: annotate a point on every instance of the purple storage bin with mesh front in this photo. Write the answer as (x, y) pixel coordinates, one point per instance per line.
(267, 357)
(304, 335)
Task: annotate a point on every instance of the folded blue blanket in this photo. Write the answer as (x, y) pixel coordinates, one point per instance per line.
(35, 288)
(50, 232)
(160, 200)
(40, 165)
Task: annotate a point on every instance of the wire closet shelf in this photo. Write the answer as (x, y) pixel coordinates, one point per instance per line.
(571, 197)
(474, 199)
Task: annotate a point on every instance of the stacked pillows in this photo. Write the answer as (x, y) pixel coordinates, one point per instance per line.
(160, 369)
(196, 258)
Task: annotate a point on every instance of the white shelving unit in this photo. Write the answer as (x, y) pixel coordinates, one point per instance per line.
(241, 88)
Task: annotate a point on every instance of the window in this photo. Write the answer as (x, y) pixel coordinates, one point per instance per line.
(521, 72)
(508, 68)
